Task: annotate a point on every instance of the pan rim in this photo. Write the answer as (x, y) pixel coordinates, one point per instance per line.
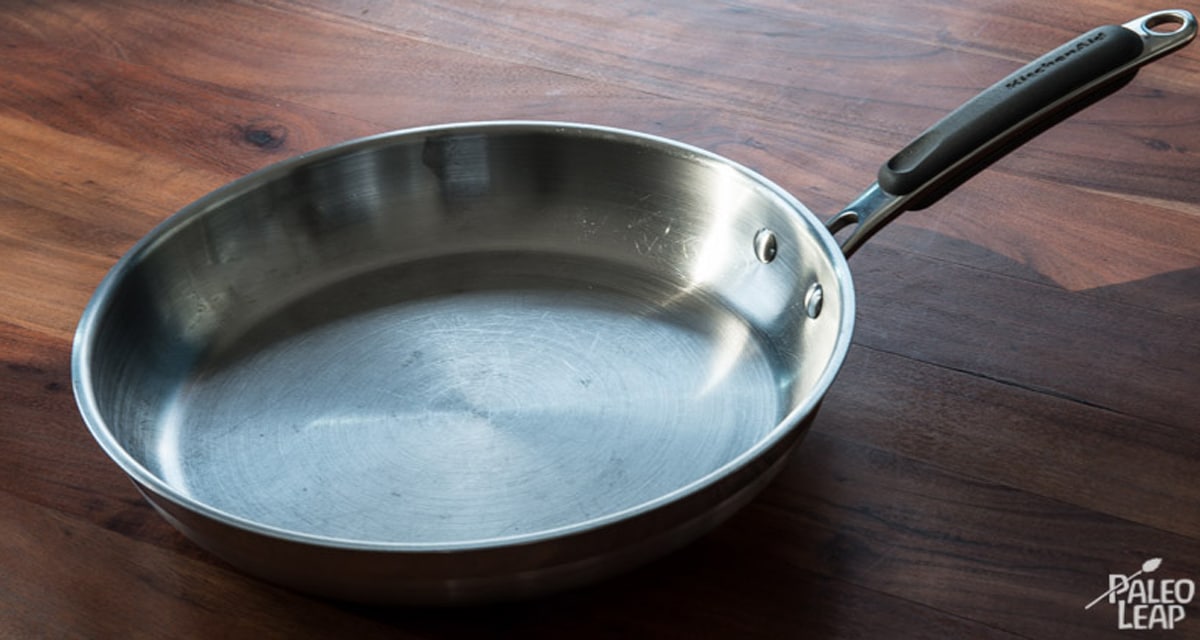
(83, 345)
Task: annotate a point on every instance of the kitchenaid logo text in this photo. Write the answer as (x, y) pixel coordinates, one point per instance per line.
(1146, 603)
(1046, 65)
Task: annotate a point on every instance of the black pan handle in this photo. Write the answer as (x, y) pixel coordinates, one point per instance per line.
(1009, 113)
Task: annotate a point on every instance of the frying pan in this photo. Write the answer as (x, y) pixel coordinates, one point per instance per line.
(491, 360)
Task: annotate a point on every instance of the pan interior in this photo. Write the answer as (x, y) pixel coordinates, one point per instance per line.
(469, 397)
(475, 333)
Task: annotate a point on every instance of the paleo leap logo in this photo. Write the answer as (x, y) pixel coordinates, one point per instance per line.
(1146, 603)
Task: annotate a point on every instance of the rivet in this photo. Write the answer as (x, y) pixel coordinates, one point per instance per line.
(766, 246)
(814, 299)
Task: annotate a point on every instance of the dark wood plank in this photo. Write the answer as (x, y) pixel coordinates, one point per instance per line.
(65, 579)
(774, 60)
(1007, 558)
(72, 206)
(728, 585)
(1136, 144)
(1123, 359)
(239, 65)
(1119, 465)
(288, 56)
(211, 128)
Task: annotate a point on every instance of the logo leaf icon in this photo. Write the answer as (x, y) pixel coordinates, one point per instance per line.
(1148, 566)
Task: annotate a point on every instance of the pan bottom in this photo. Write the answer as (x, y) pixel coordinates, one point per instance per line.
(467, 400)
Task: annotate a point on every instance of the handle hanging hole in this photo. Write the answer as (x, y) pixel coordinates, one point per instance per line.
(1164, 23)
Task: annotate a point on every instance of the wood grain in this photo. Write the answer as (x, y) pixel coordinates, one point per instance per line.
(1016, 420)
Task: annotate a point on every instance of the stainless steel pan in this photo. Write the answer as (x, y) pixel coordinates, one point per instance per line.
(483, 361)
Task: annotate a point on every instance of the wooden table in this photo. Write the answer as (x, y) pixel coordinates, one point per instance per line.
(1019, 416)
